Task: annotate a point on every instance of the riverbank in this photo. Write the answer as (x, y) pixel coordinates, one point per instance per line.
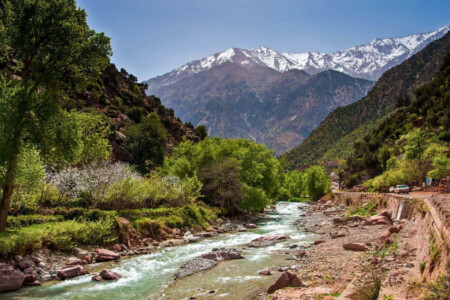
(353, 256)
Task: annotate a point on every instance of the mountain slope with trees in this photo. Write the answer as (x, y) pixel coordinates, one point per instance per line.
(259, 103)
(355, 119)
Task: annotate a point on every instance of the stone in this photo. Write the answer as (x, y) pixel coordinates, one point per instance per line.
(241, 229)
(10, 279)
(73, 261)
(301, 254)
(264, 272)
(23, 264)
(71, 272)
(97, 277)
(117, 247)
(110, 275)
(395, 229)
(293, 246)
(355, 247)
(41, 264)
(225, 254)
(105, 255)
(18, 258)
(409, 265)
(385, 235)
(378, 220)
(34, 283)
(123, 247)
(190, 238)
(335, 235)
(287, 279)
(317, 242)
(250, 226)
(176, 231)
(29, 278)
(386, 213)
(267, 240)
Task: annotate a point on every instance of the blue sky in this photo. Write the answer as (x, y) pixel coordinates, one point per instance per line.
(150, 38)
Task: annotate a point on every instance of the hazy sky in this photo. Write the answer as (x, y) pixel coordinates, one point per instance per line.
(150, 38)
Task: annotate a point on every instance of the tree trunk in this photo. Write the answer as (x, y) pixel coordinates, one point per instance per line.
(7, 193)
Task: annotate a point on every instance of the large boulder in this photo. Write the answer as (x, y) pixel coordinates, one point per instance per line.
(223, 254)
(395, 229)
(267, 240)
(72, 272)
(355, 247)
(106, 255)
(378, 220)
(10, 279)
(287, 279)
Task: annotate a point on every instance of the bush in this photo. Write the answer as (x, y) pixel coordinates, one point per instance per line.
(135, 114)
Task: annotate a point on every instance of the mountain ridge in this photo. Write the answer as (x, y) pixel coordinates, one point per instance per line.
(367, 61)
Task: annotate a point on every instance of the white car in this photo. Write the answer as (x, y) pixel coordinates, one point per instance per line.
(402, 188)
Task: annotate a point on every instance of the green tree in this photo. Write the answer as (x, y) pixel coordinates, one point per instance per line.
(317, 182)
(135, 114)
(56, 54)
(146, 142)
(201, 132)
(441, 167)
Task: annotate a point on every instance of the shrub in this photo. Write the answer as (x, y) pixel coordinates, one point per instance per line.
(135, 114)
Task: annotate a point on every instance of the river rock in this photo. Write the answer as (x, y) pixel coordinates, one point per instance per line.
(23, 264)
(267, 240)
(194, 266)
(335, 235)
(385, 235)
(250, 226)
(72, 272)
(117, 247)
(355, 247)
(223, 254)
(110, 275)
(287, 279)
(10, 279)
(265, 272)
(317, 242)
(379, 220)
(73, 261)
(106, 255)
(241, 229)
(176, 231)
(190, 238)
(345, 220)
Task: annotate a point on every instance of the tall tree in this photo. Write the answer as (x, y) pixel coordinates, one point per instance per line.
(54, 54)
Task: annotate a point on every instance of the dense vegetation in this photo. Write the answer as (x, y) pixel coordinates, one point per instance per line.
(408, 145)
(82, 146)
(346, 125)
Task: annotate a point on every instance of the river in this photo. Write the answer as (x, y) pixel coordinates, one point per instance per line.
(151, 276)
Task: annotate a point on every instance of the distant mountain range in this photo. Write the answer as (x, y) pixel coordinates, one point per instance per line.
(277, 98)
(336, 135)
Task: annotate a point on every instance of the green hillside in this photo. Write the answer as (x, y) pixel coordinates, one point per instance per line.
(345, 125)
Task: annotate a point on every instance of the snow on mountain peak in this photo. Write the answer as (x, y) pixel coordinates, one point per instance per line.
(366, 61)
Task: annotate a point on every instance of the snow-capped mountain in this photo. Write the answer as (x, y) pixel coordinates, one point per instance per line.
(367, 61)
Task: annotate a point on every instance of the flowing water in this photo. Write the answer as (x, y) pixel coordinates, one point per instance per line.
(151, 276)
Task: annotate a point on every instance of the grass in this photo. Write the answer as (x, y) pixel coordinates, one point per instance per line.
(57, 235)
(369, 291)
(299, 199)
(68, 228)
(367, 209)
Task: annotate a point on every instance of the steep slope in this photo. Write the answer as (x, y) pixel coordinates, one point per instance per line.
(354, 119)
(367, 61)
(113, 95)
(256, 102)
